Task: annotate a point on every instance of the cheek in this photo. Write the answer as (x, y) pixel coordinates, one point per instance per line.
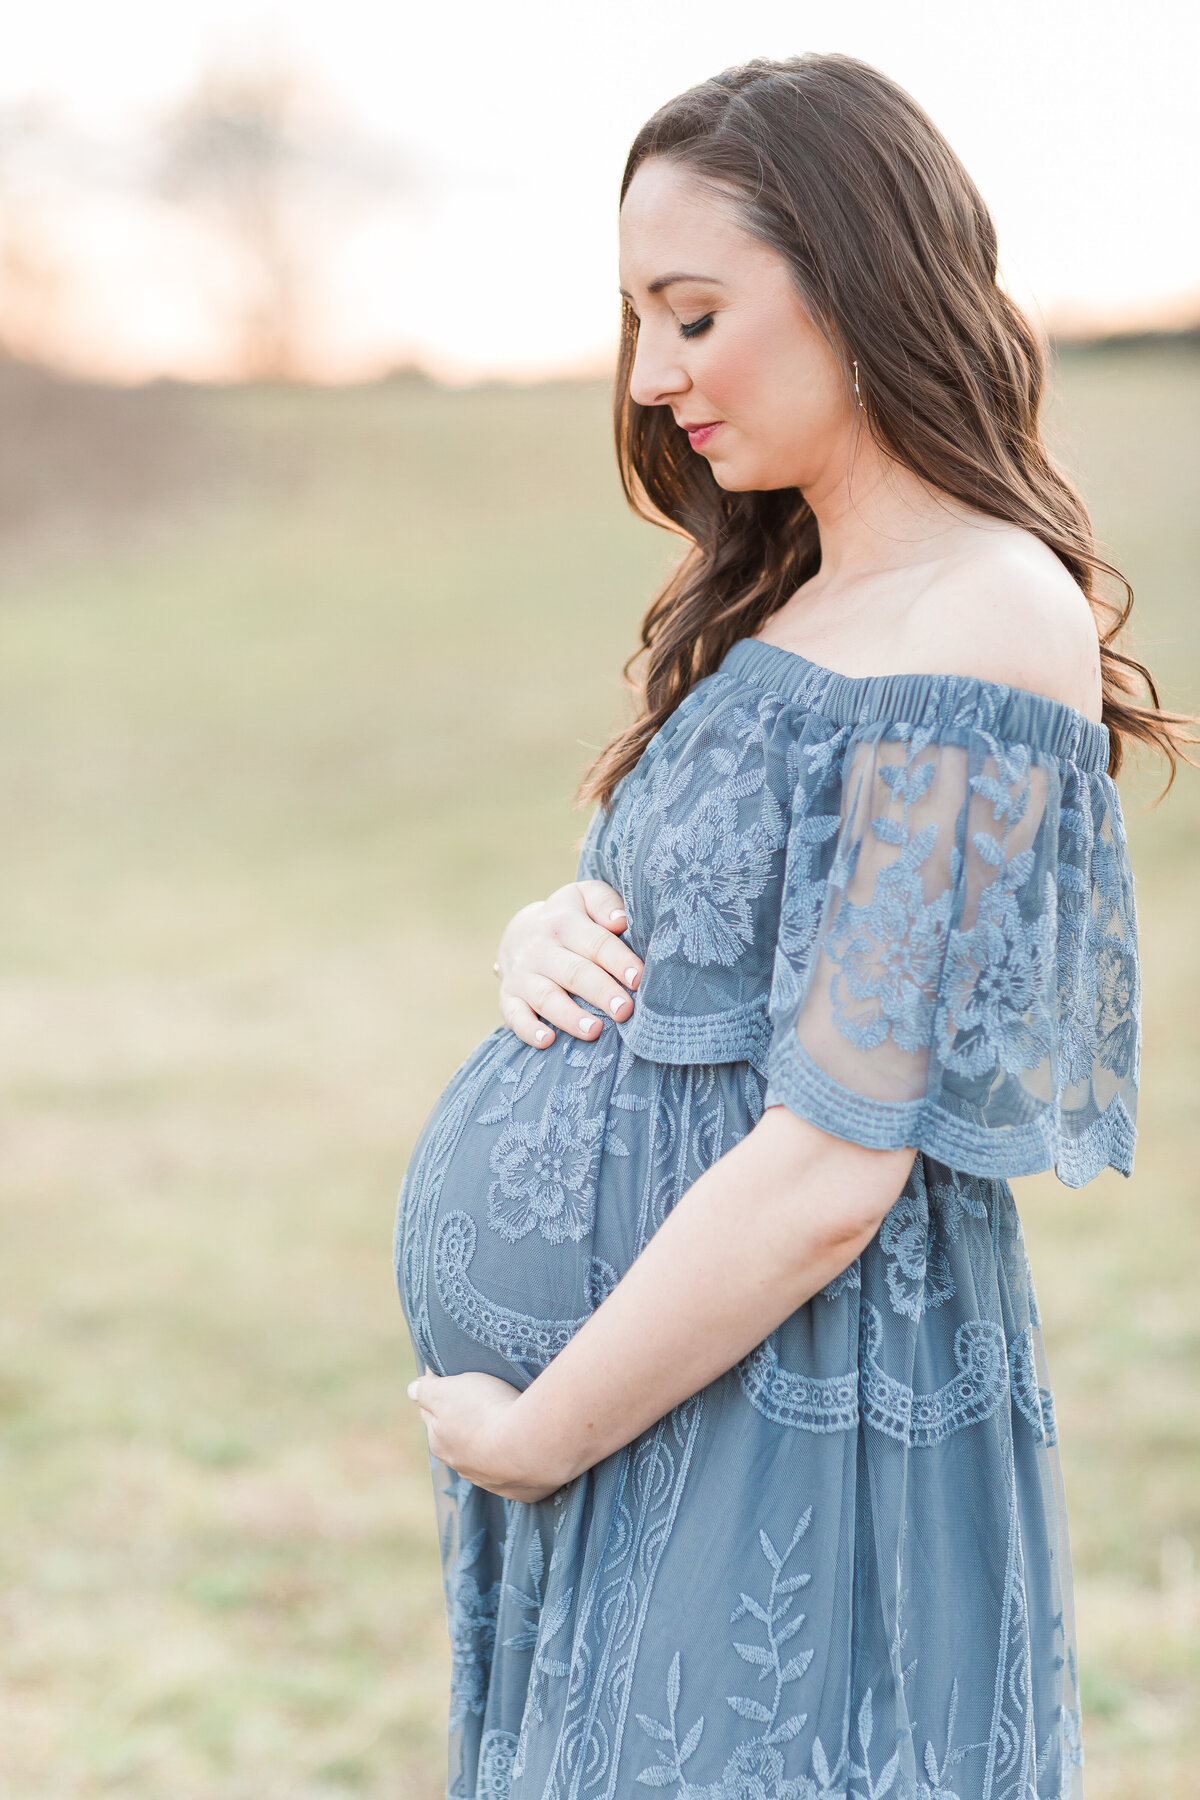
(774, 392)
(736, 379)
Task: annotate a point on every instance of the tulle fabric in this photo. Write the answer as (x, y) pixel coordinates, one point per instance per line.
(973, 985)
(891, 1447)
(937, 866)
(903, 909)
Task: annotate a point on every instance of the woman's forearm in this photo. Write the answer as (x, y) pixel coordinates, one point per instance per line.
(756, 1236)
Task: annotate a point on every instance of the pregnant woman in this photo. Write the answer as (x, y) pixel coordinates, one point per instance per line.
(743, 1441)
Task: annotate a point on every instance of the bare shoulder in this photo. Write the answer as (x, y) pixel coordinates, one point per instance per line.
(1007, 610)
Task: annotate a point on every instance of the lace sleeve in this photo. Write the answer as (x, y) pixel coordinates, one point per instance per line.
(970, 984)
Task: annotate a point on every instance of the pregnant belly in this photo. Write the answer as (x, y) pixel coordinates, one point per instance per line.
(537, 1179)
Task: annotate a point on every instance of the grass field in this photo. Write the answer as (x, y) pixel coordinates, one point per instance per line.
(294, 690)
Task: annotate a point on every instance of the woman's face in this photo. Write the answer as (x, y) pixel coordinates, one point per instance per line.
(725, 339)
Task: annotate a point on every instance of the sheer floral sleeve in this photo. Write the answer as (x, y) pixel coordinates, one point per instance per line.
(967, 981)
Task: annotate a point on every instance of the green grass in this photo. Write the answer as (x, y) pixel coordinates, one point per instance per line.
(279, 754)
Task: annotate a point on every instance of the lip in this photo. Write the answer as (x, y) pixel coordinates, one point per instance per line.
(699, 435)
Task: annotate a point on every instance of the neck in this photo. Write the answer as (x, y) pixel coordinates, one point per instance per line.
(874, 515)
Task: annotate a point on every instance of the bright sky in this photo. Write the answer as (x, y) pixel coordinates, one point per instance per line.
(1077, 118)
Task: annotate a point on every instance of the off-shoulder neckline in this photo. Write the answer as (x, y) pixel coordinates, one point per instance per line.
(1015, 713)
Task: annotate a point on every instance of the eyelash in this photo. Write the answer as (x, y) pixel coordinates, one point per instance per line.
(696, 327)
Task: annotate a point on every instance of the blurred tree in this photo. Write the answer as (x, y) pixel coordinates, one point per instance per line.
(260, 154)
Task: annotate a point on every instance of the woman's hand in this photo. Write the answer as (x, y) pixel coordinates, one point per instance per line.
(568, 944)
(470, 1426)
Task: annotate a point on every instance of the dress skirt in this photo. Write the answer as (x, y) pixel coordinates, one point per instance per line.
(839, 1570)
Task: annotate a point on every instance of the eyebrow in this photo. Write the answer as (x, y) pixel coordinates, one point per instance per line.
(663, 281)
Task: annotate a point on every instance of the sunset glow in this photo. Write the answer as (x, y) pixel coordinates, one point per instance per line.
(487, 245)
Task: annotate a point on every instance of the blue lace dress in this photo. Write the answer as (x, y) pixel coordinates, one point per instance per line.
(902, 907)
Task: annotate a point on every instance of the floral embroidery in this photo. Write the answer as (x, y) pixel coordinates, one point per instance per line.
(540, 1630)
(514, 1080)
(526, 1339)
(995, 1011)
(954, 1197)
(471, 1614)
(705, 872)
(975, 937)
(803, 1402)
(755, 1771)
(531, 1601)
(849, 1279)
(1117, 988)
(860, 1767)
(997, 985)
(922, 1419)
(702, 867)
(1036, 1402)
(996, 940)
(981, 921)
(757, 1767)
(804, 883)
(889, 954)
(918, 1270)
(914, 1235)
(496, 1751)
(547, 1171)
(936, 1787)
(917, 1419)
(1076, 995)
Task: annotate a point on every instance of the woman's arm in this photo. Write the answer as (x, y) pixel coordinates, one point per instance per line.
(761, 1231)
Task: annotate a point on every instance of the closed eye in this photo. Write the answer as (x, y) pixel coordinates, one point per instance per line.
(696, 327)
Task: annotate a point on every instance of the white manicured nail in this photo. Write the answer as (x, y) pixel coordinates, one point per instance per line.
(618, 912)
(617, 1000)
(631, 976)
(412, 1390)
(586, 1024)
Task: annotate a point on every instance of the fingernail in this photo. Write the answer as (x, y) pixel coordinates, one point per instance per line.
(618, 912)
(586, 1024)
(631, 976)
(412, 1390)
(540, 1036)
(617, 1000)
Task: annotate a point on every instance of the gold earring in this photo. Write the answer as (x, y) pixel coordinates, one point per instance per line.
(857, 395)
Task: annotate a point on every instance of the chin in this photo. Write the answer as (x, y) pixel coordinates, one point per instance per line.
(733, 480)
(737, 481)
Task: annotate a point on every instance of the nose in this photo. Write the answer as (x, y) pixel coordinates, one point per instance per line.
(655, 379)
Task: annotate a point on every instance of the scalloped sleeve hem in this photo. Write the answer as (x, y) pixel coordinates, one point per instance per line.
(794, 1080)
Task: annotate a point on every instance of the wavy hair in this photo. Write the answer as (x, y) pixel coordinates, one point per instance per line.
(894, 253)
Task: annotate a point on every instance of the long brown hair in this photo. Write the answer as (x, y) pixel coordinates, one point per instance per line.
(894, 253)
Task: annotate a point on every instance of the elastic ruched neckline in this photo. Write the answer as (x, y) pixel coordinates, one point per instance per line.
(1014, 715)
